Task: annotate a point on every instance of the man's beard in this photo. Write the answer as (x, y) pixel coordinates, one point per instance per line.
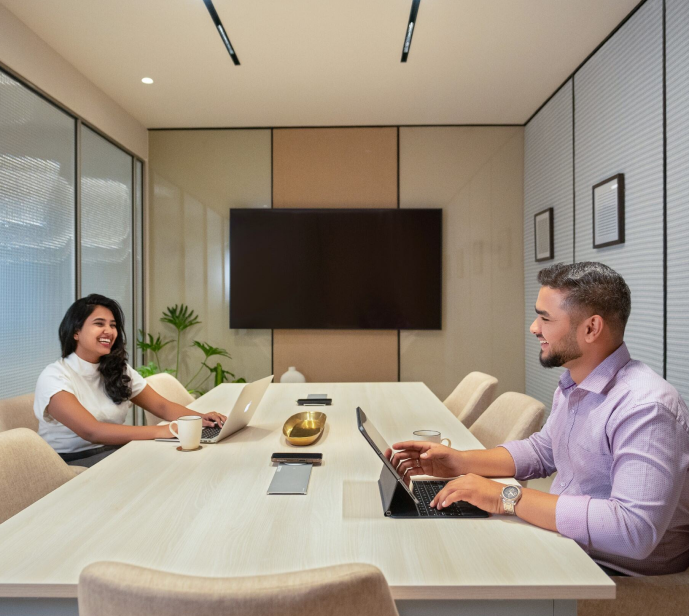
(569, 350)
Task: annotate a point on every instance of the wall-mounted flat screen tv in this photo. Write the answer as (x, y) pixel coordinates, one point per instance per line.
(335, 268)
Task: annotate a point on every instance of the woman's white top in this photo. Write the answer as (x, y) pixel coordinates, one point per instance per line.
(81, 378)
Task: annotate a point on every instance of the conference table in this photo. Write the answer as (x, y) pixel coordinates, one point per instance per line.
(206, 513)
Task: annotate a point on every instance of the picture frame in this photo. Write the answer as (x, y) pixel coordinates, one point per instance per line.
(544, 240)
(608, 212)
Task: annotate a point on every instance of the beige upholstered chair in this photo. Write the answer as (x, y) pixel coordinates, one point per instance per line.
(29, 469)
(116, 589)
(472, 396)
(640, 596)
(18, 413)
(511, 417)
(169, 387)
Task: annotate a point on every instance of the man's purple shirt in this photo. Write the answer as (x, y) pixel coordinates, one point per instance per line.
(619, 442)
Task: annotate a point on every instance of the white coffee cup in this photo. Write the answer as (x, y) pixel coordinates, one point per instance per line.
(432, 436)
(190, 427)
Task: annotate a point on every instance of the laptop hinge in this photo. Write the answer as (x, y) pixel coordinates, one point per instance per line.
(395, 499)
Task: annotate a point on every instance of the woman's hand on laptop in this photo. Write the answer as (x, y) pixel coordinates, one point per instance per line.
(424, 458)
(212, 419)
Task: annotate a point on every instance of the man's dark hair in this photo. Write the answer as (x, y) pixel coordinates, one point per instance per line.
(591, 288)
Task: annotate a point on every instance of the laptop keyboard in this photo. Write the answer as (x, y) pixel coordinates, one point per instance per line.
(425, 491)
(208, 433)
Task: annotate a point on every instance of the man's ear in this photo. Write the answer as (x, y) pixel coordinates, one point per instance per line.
(593, 328)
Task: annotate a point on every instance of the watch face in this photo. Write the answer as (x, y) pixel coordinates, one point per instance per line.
(510, 492)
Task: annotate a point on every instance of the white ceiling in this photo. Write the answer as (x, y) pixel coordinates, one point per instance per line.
(324, 62)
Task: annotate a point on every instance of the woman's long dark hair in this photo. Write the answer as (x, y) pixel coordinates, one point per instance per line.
(113, 366)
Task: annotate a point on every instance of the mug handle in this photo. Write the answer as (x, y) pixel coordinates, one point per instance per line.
(448, 444)
(172, 429)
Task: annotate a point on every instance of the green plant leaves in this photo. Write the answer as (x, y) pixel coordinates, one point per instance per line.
(211, 351)
(220, 375)
(154, 344)
(180, 317)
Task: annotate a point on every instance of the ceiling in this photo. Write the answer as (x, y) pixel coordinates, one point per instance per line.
(324, 62)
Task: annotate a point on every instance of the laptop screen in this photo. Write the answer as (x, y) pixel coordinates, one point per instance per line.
(379, 445)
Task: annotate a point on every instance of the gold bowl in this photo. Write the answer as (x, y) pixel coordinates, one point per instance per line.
(304, 428)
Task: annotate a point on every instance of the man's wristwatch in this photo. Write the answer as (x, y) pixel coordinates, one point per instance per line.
(510, 497)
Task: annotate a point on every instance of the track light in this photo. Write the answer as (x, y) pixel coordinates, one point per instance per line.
(410, 29)
(221, 30)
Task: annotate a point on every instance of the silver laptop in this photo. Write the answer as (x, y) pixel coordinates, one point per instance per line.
(238, 416)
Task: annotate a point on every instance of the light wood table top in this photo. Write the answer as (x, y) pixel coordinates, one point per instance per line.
(207, 513)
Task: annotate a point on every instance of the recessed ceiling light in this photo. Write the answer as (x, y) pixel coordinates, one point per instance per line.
(147, 80)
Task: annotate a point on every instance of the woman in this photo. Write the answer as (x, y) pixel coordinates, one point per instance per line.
(83, 399)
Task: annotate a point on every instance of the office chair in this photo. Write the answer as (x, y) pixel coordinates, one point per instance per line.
(170, 388)
(639, 596)
(117, 589)
(472, 396)
(29, 469)
(18, 412)
(511, 417)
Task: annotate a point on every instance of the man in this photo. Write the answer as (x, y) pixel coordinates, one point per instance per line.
(617, 435)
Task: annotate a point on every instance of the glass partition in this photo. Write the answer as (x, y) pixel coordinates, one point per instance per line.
(37, 232)
(107, 265)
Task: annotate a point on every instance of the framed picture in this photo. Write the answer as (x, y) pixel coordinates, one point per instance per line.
(544, 244)
(608, 212)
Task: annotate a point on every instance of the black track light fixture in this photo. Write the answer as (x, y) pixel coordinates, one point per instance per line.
(221, 30)
(411, 26)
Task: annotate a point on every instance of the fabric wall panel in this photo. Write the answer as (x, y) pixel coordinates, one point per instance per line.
(619, 129)
(548, 182)
(677, 66)
(337, 168)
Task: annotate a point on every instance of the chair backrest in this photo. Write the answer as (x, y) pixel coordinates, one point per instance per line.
(117, 589)
(511, 417)
(472, 396)
(29, 469)
(170, 388)
(18, 412)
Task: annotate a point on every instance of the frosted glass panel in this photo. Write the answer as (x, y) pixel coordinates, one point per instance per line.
(106, 225)
(37, 201)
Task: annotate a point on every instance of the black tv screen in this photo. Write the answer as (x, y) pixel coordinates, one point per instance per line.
(335, 268)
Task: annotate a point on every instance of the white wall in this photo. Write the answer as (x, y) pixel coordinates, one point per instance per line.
(32, 59)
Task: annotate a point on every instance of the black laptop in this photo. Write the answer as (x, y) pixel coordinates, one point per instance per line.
(398, 500)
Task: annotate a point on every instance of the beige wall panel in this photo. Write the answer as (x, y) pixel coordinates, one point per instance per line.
(195, 178)
(475, 174)
(27, 54)
(342, 356)
(336, 167)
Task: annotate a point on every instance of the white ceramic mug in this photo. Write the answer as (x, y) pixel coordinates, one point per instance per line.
(190, 427)
(433, 436)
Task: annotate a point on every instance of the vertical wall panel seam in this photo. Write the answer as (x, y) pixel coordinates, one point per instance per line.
(272, 197)
(399, 351)
(77, 209)
(574, 176)
(664, 194)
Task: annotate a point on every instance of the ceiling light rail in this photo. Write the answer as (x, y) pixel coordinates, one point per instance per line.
(411, 26)
(221, 30)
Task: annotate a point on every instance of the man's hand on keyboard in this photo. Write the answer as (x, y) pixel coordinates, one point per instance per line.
(424, 458)
(484, 493)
